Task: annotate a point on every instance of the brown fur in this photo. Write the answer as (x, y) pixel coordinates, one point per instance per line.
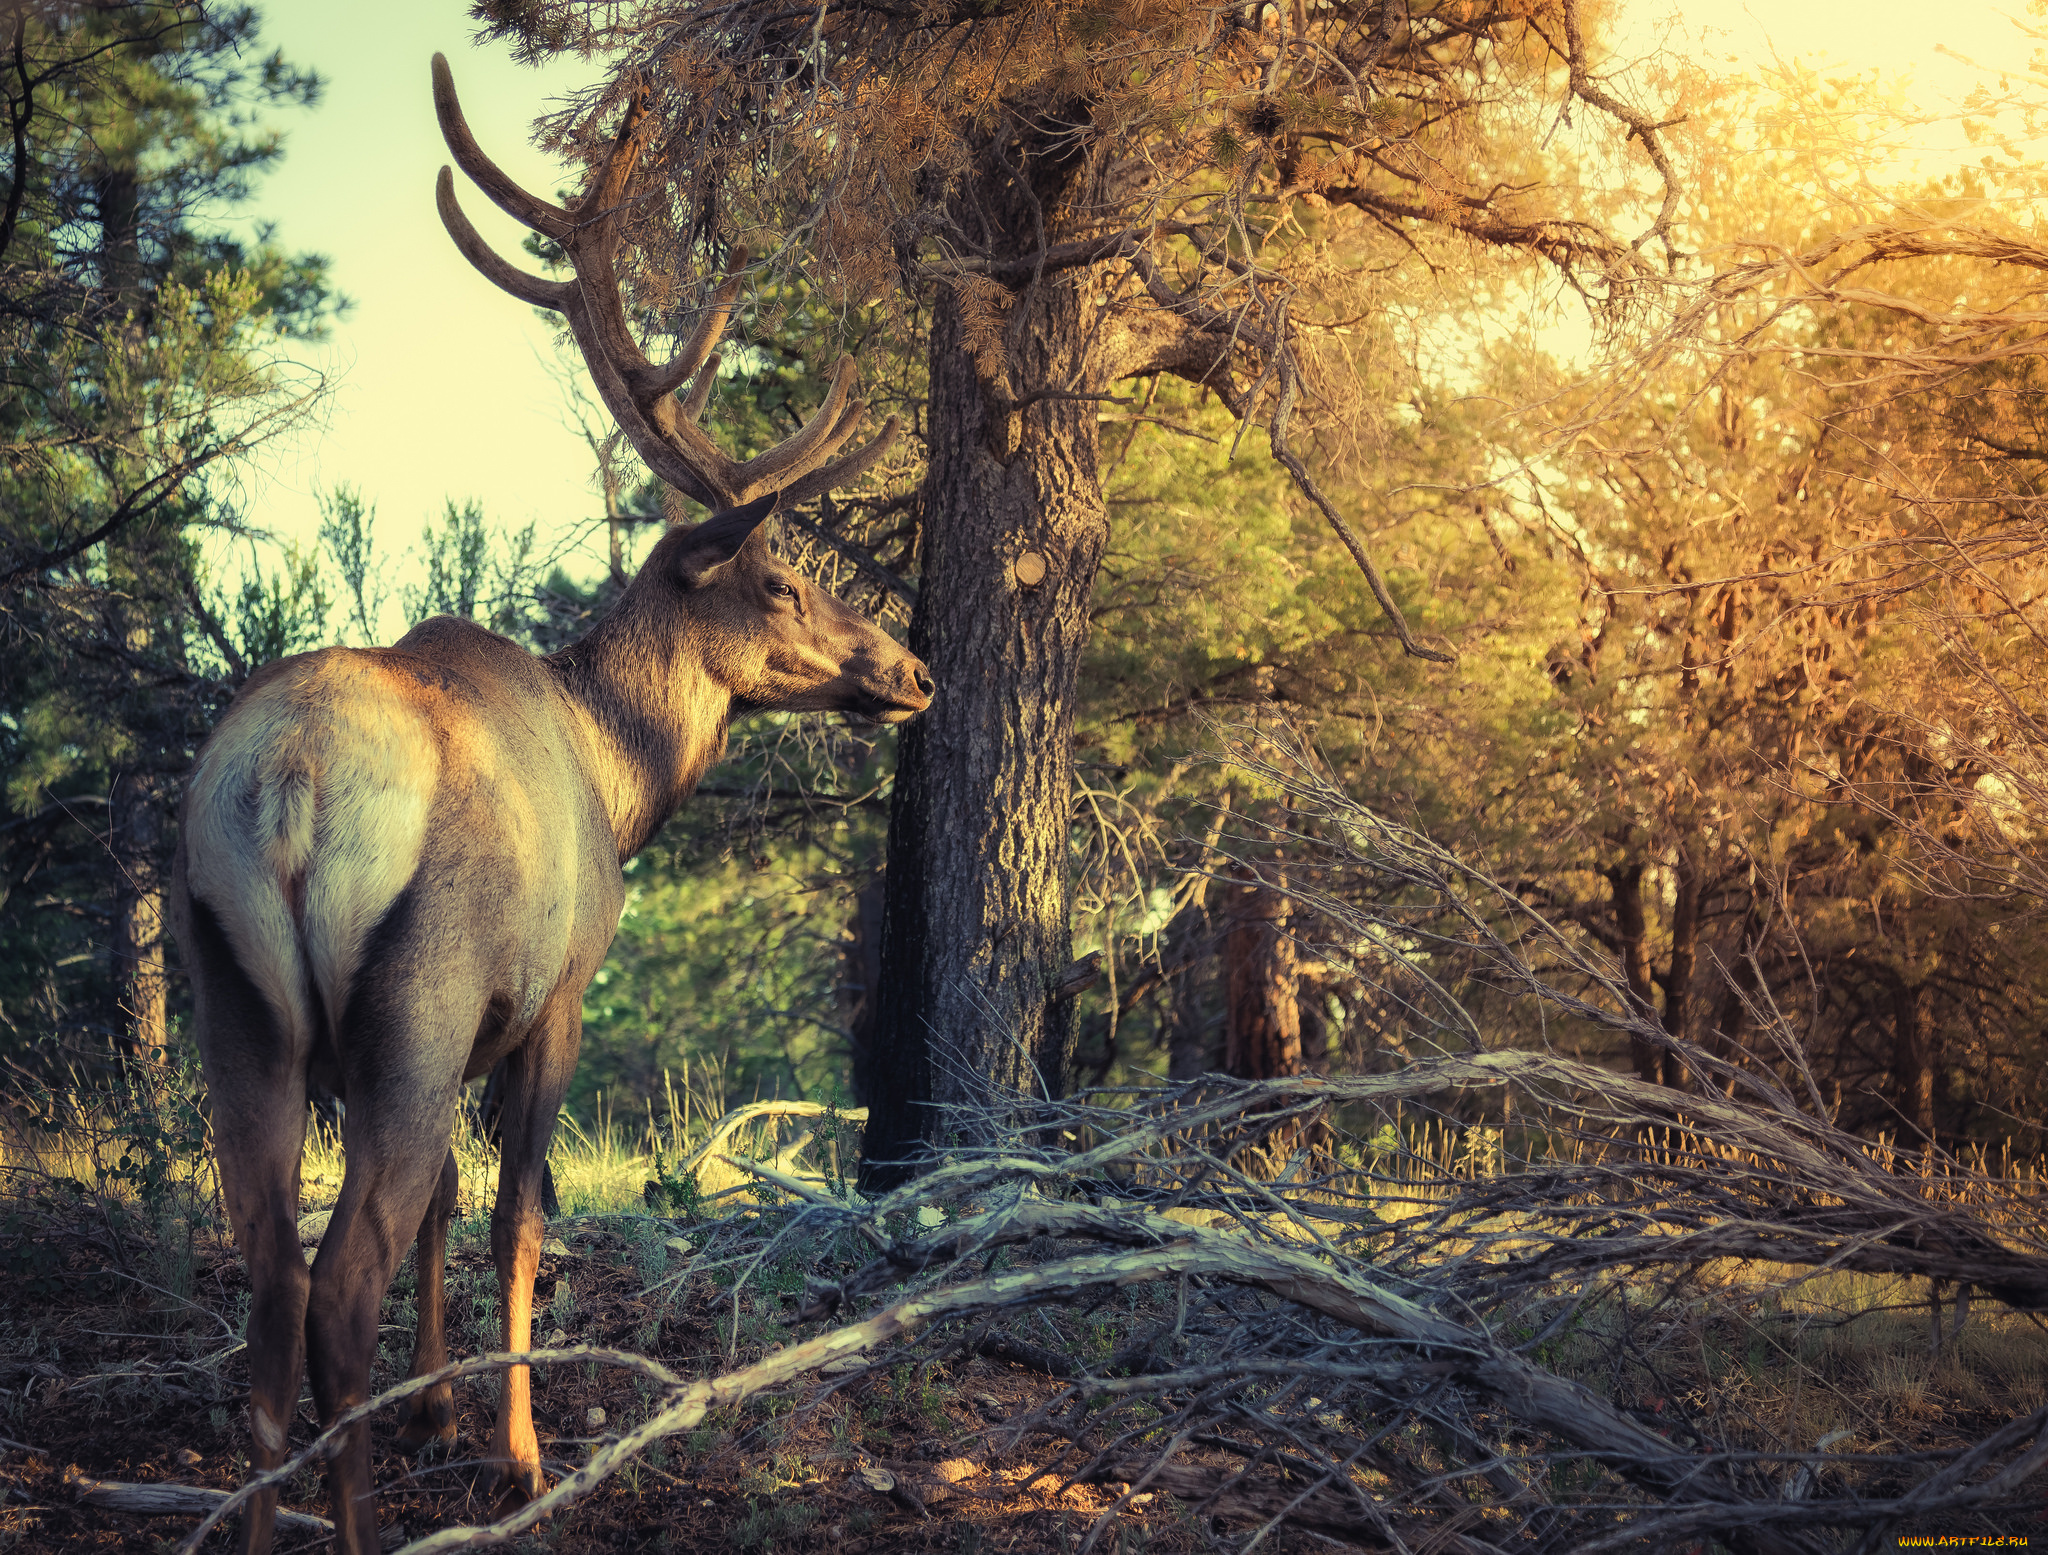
(399, 868)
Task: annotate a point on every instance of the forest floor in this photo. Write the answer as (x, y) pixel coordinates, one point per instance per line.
(110, 1381)
(119, 1361)
(108, 1378)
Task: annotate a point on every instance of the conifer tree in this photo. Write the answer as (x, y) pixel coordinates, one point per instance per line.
(140, 347)
(1051, 200)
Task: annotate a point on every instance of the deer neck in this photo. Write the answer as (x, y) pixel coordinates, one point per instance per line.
(654, 717)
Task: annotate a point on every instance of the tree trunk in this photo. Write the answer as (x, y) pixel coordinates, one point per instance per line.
(979, 892)
(136, 817)
(1633, 929)
(1190, 1053)
(861, 975)
(136, 822)
(1685, 948)
(1913, 1057)
(1262, 986)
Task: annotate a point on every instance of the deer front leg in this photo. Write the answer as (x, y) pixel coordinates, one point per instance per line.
(432, 1421)
(536, 1078)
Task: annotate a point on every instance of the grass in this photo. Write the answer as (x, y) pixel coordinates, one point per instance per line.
(1807, 1356)
(601, 1165)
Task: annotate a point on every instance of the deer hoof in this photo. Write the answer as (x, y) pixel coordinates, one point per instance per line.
(518, 1483)
(430, 1433)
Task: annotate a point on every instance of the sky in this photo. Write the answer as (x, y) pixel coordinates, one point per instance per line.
(443, 389)
(441, 392)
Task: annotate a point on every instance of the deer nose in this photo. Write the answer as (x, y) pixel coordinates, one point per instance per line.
(924, 680)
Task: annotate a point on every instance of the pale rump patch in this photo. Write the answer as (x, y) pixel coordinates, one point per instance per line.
(266, 1430)
(307, 818)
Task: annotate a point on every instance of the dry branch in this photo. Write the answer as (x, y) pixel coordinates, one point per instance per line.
(175, 1501)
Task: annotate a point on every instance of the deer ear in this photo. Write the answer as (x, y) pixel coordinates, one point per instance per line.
(720, 538)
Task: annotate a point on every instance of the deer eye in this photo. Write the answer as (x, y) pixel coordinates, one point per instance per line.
(781, 590)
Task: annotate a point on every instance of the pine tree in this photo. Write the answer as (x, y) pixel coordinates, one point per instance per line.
(140, 347)
(1056, 199)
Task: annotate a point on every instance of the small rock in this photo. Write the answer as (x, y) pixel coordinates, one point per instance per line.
(186, 1458)
(556, 1339)
(1143, 1498)
(679, 1247)
(988, 1404)
(555, 1247)
(593, 1417)
(878, 1478)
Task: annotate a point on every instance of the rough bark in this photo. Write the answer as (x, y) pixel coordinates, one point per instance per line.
(1189, 1046)
(1626, 882)
(1913, 1056)
(1262, 1025)
(976, 929)
(861, 975)
(1685, 944)
(139, 972)
(136, 829)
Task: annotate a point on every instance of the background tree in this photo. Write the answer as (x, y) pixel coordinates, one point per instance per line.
(139, 352)
(1064, 200)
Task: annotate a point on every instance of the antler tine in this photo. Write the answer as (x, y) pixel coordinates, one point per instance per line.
(840, 471)
(709, 331)
(700, 389)
(608, 189)
(640, 395)
(527, 288)
(810, 443)
(549, 220)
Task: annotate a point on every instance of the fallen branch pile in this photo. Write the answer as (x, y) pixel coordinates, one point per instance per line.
(1394, 1360)
(1263, 1300)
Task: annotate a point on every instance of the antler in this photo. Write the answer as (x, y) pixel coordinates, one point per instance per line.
(640, 395)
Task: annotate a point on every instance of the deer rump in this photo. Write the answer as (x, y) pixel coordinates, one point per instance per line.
(338, 777)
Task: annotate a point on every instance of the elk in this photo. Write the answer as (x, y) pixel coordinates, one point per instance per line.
(400, 867)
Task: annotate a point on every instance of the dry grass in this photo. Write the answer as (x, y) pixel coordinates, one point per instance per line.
(1762, 1353)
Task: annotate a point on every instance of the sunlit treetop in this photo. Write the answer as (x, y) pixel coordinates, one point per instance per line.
(1186, 154)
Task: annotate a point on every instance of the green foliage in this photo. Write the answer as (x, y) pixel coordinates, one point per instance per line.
(776, 1522)
(672, 1192)
(348, 535)
(161, 1129)
(140, 348)
(457, 555)
(283, 610)
(724, 959)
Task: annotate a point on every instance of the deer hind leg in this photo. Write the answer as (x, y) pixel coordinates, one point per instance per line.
(432, 1420)
(402, 1043)
(536, 1079)
(256, 1082)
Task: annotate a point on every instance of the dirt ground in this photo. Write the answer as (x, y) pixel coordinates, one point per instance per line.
(111, 1381)
(114, 1368)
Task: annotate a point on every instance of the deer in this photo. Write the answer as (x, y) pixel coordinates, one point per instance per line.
(400, 867)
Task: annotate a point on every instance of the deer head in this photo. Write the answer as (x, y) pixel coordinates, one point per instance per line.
(768, 636)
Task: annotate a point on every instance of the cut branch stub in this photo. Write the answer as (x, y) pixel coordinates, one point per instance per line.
(639, 394)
